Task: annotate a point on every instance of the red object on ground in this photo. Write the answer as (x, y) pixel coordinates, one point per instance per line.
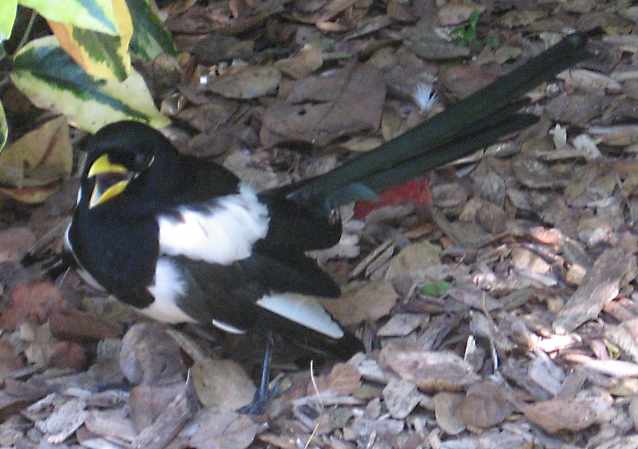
(416, 191)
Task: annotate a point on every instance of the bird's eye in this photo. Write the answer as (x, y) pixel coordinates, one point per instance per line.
(143, 161)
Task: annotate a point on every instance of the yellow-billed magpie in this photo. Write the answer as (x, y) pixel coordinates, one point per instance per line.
(184, 240)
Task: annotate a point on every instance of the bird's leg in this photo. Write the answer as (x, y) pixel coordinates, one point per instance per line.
(263, 393)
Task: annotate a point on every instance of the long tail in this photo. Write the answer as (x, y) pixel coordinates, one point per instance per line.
(473, 123)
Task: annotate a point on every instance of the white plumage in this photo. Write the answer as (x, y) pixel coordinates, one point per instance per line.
(222, 233)
(168, 286)
(304, 310)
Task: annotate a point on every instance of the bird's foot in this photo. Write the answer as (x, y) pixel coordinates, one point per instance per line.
(260, 401)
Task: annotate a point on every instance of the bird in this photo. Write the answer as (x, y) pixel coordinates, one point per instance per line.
(182, 239)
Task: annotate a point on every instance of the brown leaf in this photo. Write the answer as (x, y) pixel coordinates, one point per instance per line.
(147, 402)
(401, 397)
(413, 260)
(484, 406)
(222, 384)
(31, 167)
(429, 370)
(446, 407)
(9, 360)
(246, 82)
(73, 324)
(342, 380)
(558, 414)
(225, 430)
(344, 102)
(14, 242)
(34, 301)
(302, 64)
(150, 356)
(463, 80)
(370, 302)
(66, 354)
(601, 284)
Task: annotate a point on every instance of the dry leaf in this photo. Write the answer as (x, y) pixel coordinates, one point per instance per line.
(558, 414)
(246, 82)
(226, 430)
(370, 302)
(446, 406)
(343, 102)
(401, 397)
(342, 380)
(34, 301)
(484, 406)
(150, 356)
(429, 370)
(32, 167)
(222, 384)
(15, 242)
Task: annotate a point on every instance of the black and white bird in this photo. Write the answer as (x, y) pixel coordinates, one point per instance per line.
(184, 240)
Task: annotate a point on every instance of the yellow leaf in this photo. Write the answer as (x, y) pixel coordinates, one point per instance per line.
(97, 15)
(102, 55)
(52, 80)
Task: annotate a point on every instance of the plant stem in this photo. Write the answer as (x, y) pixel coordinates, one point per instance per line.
(27, 32)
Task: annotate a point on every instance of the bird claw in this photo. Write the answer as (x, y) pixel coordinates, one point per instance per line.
(260, 401)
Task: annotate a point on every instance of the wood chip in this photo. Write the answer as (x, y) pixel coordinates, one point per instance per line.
(601, 284)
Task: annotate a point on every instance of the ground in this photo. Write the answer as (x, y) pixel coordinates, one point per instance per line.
(496, 297)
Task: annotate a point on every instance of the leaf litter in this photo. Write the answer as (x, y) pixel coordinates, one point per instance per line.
(496, 299)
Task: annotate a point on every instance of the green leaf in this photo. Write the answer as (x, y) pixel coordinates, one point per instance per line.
(52, 80)
(101, 55)
(8, 10)
(97, 15)
(4, 128)
(435, 289)
(150, 38)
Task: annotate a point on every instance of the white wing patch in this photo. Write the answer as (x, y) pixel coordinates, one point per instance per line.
(304, 310)
(227, 327)
(221, 233)
(167, 288)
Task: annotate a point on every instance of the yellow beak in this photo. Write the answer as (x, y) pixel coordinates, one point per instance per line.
(103, 165)
(105, 189)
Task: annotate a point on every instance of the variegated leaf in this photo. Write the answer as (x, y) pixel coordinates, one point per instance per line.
(52, 80)
(150, 38)
(97, 15)
(8, 10)
(4, 129)
(99, 54)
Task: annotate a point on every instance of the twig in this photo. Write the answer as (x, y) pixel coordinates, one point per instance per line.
(27, 32)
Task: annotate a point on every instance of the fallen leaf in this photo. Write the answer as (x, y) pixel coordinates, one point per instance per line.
(342, 380)
(32, 167)
(222, 384)
(34, 301)
(339, 103)
(484, 406)
(555, 415)
(357, 304)
(150, 356)
(15, 242)
(446, 406)
(401, 397)
(429, 370)
(225, 430)
(246, 82)
(302, 64)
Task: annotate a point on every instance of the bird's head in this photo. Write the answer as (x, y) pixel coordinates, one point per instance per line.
(127, 161)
